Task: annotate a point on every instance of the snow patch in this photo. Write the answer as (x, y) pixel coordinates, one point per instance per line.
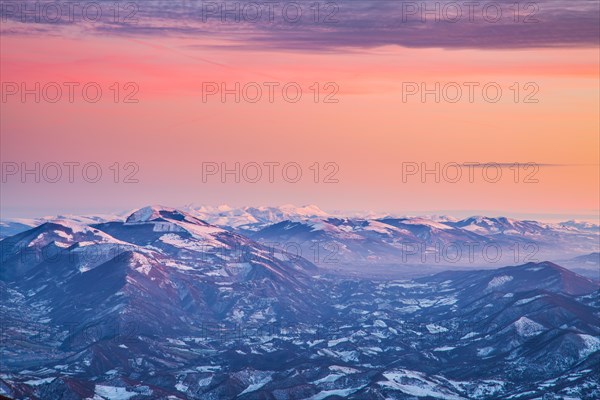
(484, 352)
(444, 348)
(592, 344)
(336, 392)
(433, 328)
(528, 300)
(499, 281)
(416, 384)
(256, 385)
(114, 393)
(37, 382)
(527, 328)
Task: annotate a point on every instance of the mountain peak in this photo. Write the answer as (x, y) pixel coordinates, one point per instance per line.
(547, 274)
(150, 213)
(540, 276)
(546, 266)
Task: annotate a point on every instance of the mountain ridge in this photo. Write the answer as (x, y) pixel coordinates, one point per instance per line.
(165, 304)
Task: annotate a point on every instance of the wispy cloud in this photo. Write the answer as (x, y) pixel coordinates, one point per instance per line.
(351, 24)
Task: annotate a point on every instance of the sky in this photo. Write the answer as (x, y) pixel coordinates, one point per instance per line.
(488, 109)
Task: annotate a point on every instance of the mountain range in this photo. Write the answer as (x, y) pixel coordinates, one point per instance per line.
(357, 244)
(163, 304)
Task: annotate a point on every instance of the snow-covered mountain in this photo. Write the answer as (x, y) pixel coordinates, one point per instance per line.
(12, 226)
(254, 217)
(502, 225)
(476, 241)
(343, 242)
(223, 215)
(163, 304)
(580, 225)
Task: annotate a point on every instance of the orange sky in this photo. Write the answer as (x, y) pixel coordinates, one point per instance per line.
(369, 133)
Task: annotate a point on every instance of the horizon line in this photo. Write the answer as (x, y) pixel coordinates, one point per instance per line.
(461, 214)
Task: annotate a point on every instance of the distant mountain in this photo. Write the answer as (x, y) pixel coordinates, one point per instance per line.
(502, 225)
(587, 265)
(344, 243)
(334, 242)
(476, 241)
(17, 225)
(13, 226)
(252, 218)
(591, 260)
(580, 226)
